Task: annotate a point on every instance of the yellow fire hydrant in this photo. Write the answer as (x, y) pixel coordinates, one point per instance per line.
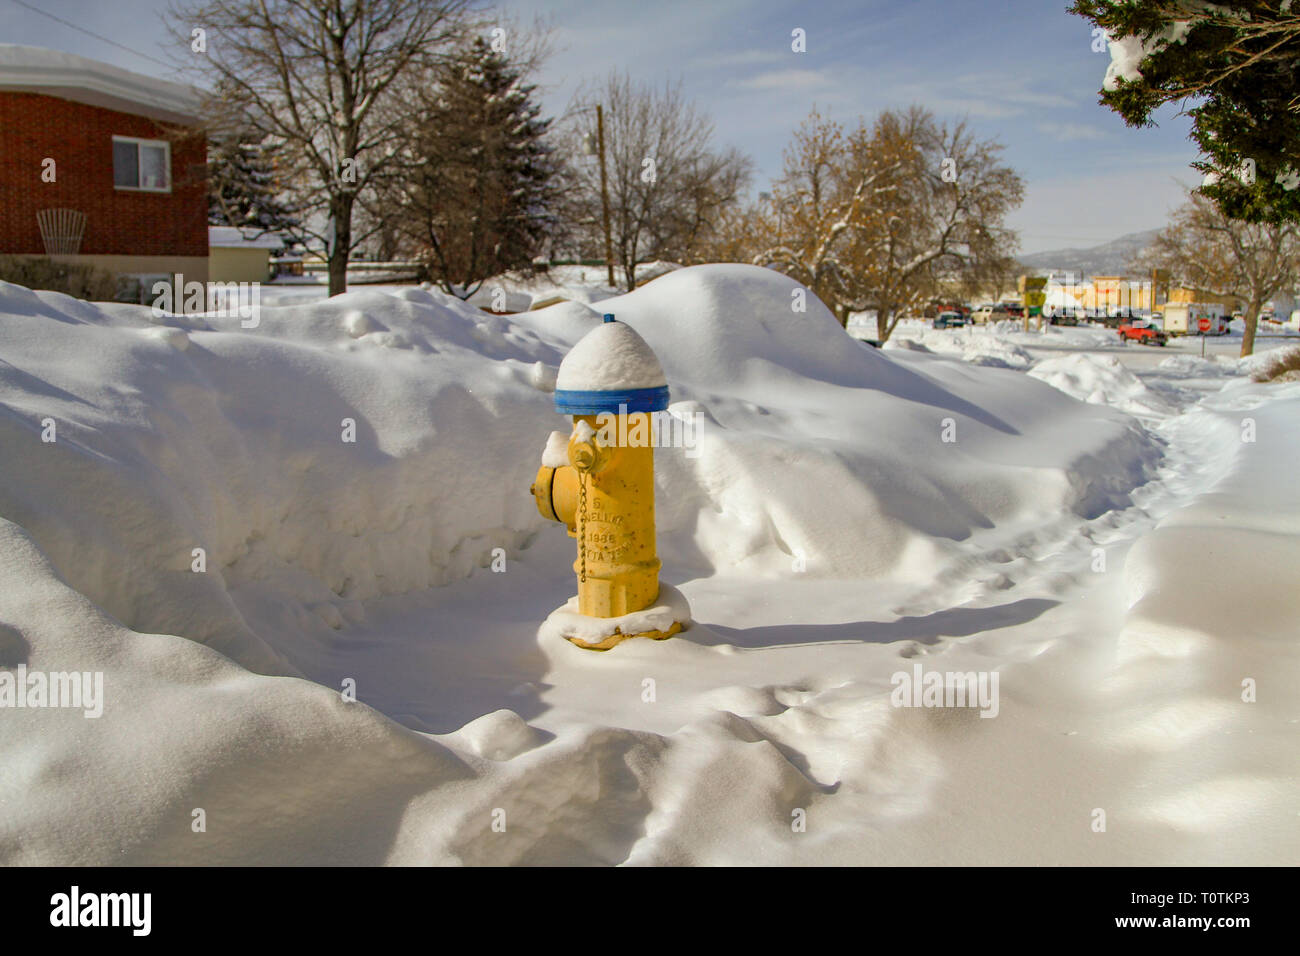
(610, 383)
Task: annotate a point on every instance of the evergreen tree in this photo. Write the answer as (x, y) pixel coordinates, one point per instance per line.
(478, 195)
(244, 188)
(1238, 65)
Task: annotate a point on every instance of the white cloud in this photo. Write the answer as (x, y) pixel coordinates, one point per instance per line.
(786, 80)
(983, 94)
(1066, 132)
(751, 57)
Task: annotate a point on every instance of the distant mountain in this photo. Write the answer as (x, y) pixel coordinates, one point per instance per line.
(1109, 258)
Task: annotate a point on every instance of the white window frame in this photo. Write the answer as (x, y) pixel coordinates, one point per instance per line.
(167, 154)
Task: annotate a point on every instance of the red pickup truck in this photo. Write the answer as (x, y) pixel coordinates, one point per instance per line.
(1142, 332)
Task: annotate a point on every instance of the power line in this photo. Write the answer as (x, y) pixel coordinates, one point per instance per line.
(90, 33)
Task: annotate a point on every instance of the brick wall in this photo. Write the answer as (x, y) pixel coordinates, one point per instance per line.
(79, 139)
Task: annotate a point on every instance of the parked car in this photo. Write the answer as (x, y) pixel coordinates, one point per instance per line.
(1060, 316)
(989, 313)
(949, 320)
(1142, 332)
(936, 307)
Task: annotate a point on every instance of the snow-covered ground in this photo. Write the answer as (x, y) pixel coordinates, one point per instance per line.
(507, 293)
(1112, 533)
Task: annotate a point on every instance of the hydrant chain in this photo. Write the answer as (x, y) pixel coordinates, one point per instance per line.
(582, 527)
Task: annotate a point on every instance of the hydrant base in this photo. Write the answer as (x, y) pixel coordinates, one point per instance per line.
(670, 615)
(618, 637)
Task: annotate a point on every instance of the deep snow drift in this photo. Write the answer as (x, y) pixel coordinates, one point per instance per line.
(192, 432)
(350, 469)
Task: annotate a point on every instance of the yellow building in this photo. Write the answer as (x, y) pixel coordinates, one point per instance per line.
(1108, 295)
(1184, 294)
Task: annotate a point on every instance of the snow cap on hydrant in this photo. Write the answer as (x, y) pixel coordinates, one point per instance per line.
(599, 482)
(610, 366)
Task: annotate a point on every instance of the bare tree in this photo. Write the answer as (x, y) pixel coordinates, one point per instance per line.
(1204, 248)
(882, 217)
(324, 82)
(824, 206)
(992, 279)
(710, 190)
(668, 186)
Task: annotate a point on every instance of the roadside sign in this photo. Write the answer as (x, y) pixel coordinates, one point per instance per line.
(1203, 324)
(1032, 296)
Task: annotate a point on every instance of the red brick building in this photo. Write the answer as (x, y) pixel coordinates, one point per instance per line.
(100, 165)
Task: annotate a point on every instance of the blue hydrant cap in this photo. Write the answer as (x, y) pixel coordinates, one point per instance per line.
(570, 401)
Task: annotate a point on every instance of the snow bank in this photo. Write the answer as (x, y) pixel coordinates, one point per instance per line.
(1193, 366)
(513, 292)
(332, 454)
(977, 346)
(1101, 380)
(1262, 361)
(1206, 660)
(1087, 336)
(381, 443)
(347, 456)
(797, 415)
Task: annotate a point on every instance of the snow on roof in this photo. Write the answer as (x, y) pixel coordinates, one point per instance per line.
(231, 237)
(34, 69)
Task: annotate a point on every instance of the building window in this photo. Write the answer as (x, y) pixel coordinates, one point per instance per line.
(143, 164)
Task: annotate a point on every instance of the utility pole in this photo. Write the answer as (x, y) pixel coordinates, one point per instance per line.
(604, 193)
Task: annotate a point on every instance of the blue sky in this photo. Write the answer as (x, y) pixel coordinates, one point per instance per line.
(1022, 71)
